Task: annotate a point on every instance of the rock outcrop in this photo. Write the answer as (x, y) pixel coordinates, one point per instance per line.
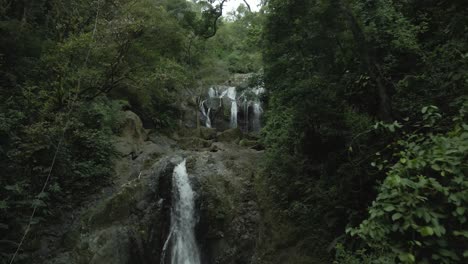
(229, 214)
(129, 221)
(128, 227)
(230, 135)
(132, 135)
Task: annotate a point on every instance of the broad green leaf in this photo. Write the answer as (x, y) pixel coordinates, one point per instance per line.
(426, 231)
(461, 233)
(407, 257)
(396, 216)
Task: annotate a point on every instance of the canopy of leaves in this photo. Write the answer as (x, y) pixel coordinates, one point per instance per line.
(333, 69)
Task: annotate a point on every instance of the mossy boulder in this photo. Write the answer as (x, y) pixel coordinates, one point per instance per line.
(132, 134)
(194, 143)
(230, 135)
(248, 143)
(117, 207)
(207, 133)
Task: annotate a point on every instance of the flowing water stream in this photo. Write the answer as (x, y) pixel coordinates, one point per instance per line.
(247, 102)
(181, 239)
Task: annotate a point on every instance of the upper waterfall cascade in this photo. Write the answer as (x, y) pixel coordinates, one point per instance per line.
(244, 107)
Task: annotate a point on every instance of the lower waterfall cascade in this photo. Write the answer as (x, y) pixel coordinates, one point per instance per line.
(181, 241)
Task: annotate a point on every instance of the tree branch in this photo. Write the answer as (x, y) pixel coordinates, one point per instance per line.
(248, 6)
(215, 22)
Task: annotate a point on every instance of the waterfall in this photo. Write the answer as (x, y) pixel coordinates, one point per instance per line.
(223, 94)
(257, 111)
(231, 94)
(234, 114)
(208, 120)
(205, 115)
(258, 90)
(182, 235)
(212, 92)
(246, 101)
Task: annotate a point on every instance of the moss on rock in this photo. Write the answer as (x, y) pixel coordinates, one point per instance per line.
(194, 143)
(117, 207)
(230, 135)
(248, 143)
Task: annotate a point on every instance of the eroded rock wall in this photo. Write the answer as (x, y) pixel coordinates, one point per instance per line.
(129, 221)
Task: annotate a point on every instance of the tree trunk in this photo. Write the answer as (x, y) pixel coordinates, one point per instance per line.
(384, 112)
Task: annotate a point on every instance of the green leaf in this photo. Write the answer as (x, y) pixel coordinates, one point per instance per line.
(407, 257)
(448, 253)
(42, 195)
(426, 231)
(435, 167)
(38, 203)
(396, 216)
(3, 204)
(461, 233)
(389, 208)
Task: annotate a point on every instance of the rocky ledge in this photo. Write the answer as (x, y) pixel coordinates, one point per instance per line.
(129, 221)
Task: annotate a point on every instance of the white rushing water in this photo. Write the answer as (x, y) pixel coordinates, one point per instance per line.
(205, 114)
(231, 94)
(248, 102)
(184, 247)
(234, 114)
(257, 112)
(212, 92)
(208, 120)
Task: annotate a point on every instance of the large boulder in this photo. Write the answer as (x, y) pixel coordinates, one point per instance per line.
(230, 135)
(248, 143)
(194, 143)
(188, 112)
(207, 133)
(228, 207)
(132, 135)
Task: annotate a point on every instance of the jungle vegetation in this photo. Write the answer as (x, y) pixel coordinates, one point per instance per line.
(366, 131)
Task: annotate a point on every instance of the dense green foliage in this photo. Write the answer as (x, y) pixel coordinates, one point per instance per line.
(334, 69)
(68, 68)
(236, 47)
(419, 212)
(366, 134)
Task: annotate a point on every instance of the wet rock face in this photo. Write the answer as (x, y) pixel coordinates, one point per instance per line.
(129, 222)
(227, 203)
(128, 227)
